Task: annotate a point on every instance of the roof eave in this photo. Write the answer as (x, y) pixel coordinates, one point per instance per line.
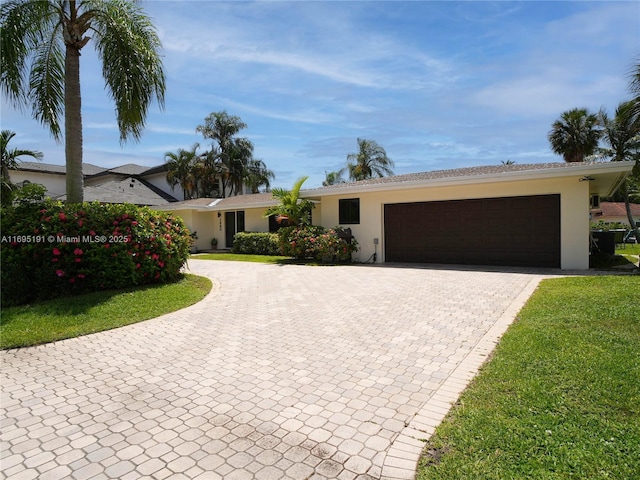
(571, 171)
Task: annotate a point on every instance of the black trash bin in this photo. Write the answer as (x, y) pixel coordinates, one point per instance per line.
(604, 242)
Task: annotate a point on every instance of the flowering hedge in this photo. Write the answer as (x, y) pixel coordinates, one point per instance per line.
(317, 243)
(51, 249)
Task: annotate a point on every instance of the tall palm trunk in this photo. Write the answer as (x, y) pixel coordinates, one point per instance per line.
(73, 125)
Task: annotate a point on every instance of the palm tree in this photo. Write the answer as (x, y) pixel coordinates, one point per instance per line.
(231, 153)
(575, 135)
(634, 88)
(258, 175)
(9, 161)
(207, 172)
(371, 161)
(333, 178)
(181, 170)
(622, 135)
(40, 66)
(291, 207)
(240, 154)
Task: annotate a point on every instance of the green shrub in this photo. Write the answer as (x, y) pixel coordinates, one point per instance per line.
(52, 249)
(606, 226)
(317, 243)
(256, 243)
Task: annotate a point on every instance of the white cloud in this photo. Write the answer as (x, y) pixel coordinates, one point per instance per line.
(438, 84)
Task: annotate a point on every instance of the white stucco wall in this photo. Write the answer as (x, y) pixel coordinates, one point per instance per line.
(574, 212)
(253, 221)
(159, 180)
(208, 225)
(55, 184)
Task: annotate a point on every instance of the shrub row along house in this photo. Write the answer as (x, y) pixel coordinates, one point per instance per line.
(534, 215)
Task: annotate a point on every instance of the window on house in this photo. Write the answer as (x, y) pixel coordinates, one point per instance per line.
(234, 223)
(349, 211)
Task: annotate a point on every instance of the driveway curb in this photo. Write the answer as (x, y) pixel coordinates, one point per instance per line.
(402, 457)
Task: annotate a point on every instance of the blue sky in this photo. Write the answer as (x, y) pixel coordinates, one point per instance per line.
(438, 84)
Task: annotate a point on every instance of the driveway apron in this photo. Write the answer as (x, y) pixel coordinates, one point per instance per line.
(281, 372)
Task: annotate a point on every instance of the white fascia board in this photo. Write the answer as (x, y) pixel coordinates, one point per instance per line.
(557, 172)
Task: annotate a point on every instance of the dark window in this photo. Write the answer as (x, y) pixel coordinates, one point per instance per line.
(276, 222)
(349, 211)
(240, 221)
(275, 225)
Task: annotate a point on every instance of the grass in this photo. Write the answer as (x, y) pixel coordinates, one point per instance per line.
(621, 258)
(273, 259)
(630, 252)
(239, 257)
(560, 397)
(629, 249)
(69, 317)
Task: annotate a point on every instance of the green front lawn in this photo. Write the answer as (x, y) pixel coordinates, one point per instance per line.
(240, 257)
(272, 259)
(560, 397)
(69, 317)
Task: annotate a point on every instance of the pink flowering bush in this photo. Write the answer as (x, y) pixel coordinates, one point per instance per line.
(317, 243)
(51, 249)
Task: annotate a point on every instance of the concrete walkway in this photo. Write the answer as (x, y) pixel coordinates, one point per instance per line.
(282, 372)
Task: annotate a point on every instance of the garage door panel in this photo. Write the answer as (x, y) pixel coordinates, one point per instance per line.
(518, 231)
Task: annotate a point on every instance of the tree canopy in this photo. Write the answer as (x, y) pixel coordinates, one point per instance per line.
(575, 135)
(40, 66)
(370, 161)
(225, 168)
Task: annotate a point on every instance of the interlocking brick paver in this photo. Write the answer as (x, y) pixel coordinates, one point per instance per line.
(281, 372)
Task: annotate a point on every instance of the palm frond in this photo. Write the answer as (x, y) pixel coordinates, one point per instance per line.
(46, 85)
(25, 25)
(370, 161)
(575, 135)
(128, 46)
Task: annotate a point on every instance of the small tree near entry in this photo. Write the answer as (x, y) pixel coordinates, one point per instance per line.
(294, 210)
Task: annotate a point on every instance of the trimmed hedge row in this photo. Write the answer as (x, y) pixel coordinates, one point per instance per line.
(52, 249)
(256, 243)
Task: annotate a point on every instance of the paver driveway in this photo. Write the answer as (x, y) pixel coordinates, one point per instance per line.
(281, 372)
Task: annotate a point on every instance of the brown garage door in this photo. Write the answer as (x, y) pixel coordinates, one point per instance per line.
(513, 231)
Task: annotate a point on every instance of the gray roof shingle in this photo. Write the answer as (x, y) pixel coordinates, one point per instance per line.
(450, 174)
(129, 190)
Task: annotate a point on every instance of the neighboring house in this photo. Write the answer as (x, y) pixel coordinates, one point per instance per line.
(615, 212)
(514, 215)
(134, 190)
(107, 185)
(128, 183)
